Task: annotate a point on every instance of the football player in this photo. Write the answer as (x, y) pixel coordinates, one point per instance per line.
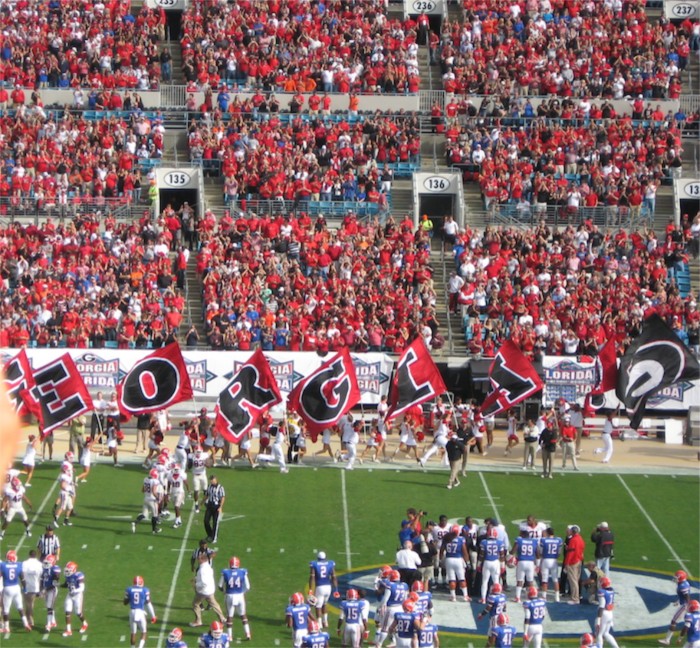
(495, 605)
(550, 550)
(491, 556)
(174, 639)
(215, 638)
(322, 581)
(424, 603)
(50, 578)
(534, 528)
(587, 640)
(279, 449)
(297, 616)
(691, 626)
(11, 576)
(315, 638)
(405, 625)
(152, 493)
(234, 583)
(535, 612)
(177, 486)
(682, 600)
(455, 554)
(503, 634)
(442, 433)
(525, 551)
(66, 497)
(354, 613)
(440, 530)
(393, 596)
(75, 583)
(14, 497)
(200, 462)
(138, 597)
(428, 634)
(604, 619)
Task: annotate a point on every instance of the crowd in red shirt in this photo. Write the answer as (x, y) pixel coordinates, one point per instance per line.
(70, 43)
(566, 292)
(305, 159)
(297, 45)
(563, 47)
(290, 283)
(88, 282)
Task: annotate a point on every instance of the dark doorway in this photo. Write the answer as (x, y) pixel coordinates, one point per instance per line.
(177, 197)
(437, 207)
(174, 19)
(690, 206)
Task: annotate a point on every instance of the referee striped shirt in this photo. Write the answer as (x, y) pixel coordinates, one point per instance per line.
(48, 544)
(214, 495)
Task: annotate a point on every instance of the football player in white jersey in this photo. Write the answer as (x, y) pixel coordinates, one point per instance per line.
(200, 462)
(177, 487)
(440, 530)
(440, 437)
(152, 494)
(279, 449)
(66, 496)
(533, 528)
(14, 497)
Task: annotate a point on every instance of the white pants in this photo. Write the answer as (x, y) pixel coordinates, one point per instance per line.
(605, 628)
(351, 454)
(535, 634)
(235, 605)
(12, 596)
(525, 571)
(74, 603)
(352, 635)
(490, 570)
(137, 621)
(607, 447)
(549, 568)
(454, 569)
(278, 455)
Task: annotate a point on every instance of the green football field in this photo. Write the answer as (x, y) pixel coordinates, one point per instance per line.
(275, 523)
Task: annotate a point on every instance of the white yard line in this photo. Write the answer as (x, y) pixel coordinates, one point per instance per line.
(38, 512)
(676, 557)
(490, 497)
(346, 520)
(173, 583)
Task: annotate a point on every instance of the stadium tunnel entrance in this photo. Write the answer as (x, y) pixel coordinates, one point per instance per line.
(437, 207)
(177, 197)
(690, 206)
(174, 19)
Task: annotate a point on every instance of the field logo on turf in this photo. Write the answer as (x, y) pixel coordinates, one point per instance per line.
(643, 606)
(99, 373)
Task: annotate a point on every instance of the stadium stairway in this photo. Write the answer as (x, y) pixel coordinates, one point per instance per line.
(194, 300)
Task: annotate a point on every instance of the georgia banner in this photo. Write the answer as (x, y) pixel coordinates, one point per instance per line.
(18, 378)
(656, 359)
(156, 382)
(252, 391)
(58, 394)
(513, 379)
(326, 394)
(416, 380)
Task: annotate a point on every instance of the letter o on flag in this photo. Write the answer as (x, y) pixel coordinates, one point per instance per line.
(152, 384)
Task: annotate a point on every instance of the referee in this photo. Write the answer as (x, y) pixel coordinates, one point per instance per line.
(214, 502)
(49, 544)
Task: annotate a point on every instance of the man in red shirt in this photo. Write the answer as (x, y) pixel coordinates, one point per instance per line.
(573, 559)
(568, 441)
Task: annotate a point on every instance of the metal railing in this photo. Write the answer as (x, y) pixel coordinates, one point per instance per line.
(27, 210)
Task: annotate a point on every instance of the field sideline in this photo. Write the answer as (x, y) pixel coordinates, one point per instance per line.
(275, 523)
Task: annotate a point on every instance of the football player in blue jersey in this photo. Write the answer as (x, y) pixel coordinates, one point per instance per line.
(50, 578)
(550, 551)
(405, 625)
(11, 578)
(691, 626)
(395, 593)
(491, 559)
(604, 619)
(297, 615)
(525, 550)
(424, 603)
(454, 551)
(322, 583)
(215, 638)
(75, 583)
(503, 634)
(535, 611)
(495, 605)
(234, 584)
(682, 600)
(138, 598)
(174, 639)
(354, 613)
(428, 634)
(315, 638)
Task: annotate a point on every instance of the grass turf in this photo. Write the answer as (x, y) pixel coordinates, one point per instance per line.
(275, 523)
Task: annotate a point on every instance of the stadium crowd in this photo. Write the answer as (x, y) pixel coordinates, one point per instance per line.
(565, 292)
(70, 44)
(305, 159)
(300, 46)
(287, 282)
(581, 48)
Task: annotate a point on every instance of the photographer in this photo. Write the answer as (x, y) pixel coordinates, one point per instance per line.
(411, 527)
(604, 541)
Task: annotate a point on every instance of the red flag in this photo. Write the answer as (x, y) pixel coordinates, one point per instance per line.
(606, 378)
(513, 378)
(158, 381)
(58, 394)
(252, 391)
(19, 378)
(324, 396)
(416, 380)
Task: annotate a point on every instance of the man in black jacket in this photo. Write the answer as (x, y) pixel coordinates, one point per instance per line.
(455, 449)
(604, 540)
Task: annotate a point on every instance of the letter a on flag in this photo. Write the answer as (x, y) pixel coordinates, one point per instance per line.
(325, 395)
(656, 359)
(158, 381)
(416, 380)
(58, 394)
(252, 391)
(513, 379)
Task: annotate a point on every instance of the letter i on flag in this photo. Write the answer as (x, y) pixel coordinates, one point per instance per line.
(158, 381)
(325, 395)
(513, 379)
(252, 391)
(416, 380)
(18, 378)
(58, 394)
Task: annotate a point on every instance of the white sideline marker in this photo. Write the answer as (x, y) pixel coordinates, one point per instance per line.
(150, 548)
(281, 549)
(122, 638)
(249, 549)
(117, 547)
(644, 558)
(84, 547)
